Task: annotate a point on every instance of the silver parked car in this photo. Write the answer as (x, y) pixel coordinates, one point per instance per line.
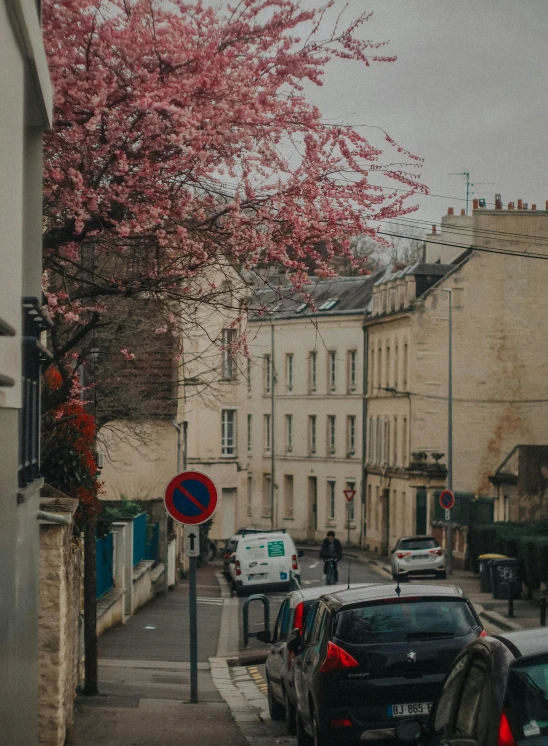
(417, 555)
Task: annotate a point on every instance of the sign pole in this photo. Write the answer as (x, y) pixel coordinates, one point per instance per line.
(348, 523)
(193, 627)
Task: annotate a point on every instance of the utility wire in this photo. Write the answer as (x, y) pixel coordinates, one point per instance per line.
(467, 230)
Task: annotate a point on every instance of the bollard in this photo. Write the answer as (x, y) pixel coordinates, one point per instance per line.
(245, 612)
(543, 611)
(510, 601)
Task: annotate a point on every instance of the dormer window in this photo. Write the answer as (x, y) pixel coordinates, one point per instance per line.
(301, 308)
(327, 304)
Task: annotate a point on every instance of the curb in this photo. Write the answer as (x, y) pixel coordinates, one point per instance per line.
(248, 706)
(505, 625)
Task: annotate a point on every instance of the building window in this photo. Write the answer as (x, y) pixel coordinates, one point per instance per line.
(352, 370)
(267, 433)
(249, 375)
(370, 440)
(249, 493)
(266, 496)
(228, 364)
(351, 434)
(289, 433)
(404, 442)
(228, 432)
(386, 441)
(312, 371)
(331, 434)
(351, 485)
(396, 377)
(288, 496)
(405, 364)
(289, 371)
(267, 374)
(378, 382)
(378, 441)
(331, 499)
(332, 373)
(371, 371)
(249, 433)
(387, 370)
(395, 443)
(312, 433)
(368, 508)
(377, 506)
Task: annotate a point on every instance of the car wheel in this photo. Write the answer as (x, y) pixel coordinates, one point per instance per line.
(290, 716)
(303, 739)
(442, 574)
(319, 739)
(275, 709)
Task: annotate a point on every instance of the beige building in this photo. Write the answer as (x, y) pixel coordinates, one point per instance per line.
(25, 112)
(304, 410)
(499, 360)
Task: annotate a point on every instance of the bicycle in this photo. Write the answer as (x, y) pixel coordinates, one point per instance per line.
(331, 575)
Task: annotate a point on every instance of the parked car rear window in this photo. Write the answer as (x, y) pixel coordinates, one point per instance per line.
(418, 544)
(527, 699)
(403, 621)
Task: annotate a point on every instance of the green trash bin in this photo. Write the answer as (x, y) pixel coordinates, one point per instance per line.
(486, 583)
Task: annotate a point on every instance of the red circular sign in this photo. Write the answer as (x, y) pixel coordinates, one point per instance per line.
(447, 499)
(191, 498)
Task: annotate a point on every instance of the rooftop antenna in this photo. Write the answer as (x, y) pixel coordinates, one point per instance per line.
(348, 586)
(398, 589)
(466, 174)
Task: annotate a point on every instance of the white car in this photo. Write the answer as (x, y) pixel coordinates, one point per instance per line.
(268, 561)
(417, 555)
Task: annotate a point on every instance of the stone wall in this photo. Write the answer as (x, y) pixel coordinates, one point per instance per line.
(61, 567)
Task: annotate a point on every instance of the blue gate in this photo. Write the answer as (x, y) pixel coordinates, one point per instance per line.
(139, 538)
(104, 551)
(151, 551)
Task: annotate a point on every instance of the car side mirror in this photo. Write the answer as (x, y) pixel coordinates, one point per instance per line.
(232, 560)
(300, 553)
(408, 731)
(294, 640)
(264, 636)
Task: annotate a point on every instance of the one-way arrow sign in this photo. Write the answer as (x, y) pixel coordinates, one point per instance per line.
(192, 541)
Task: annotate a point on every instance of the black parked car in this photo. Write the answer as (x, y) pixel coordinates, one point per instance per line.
(370, 656)
(279, 664)
(496, 694)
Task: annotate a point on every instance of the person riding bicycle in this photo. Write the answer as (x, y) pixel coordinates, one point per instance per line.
(330, 549)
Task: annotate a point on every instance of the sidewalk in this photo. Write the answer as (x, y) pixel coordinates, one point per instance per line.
(493, 613)
(144, 678)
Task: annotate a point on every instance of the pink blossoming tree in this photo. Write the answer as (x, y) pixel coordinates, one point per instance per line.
(184, 142)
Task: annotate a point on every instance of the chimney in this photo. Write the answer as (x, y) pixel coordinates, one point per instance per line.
(533, 206)
(520, 204)
(462, 212)
(510, 205)
(498, 202)
(475, 204)
(433, 230)
(450, 211)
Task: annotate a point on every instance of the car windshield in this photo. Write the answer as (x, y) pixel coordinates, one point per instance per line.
(527, 699)
(404, 620)
(417, 544)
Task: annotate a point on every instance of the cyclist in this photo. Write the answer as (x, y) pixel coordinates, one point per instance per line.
(331, 548)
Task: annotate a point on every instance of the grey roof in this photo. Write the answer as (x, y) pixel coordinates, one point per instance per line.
(352, 295)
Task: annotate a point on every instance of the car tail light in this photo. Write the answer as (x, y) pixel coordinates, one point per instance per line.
(438, 551)
(483, 633)
(337, 659)
(238, 568)
(295, 563)
(506, 737)
(341, 723)
(401, 555)
(299, 617)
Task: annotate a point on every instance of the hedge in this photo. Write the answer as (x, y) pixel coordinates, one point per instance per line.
(527, 542)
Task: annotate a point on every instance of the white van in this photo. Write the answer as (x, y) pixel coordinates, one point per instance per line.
(268, 561)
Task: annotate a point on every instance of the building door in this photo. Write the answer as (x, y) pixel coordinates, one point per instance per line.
(312, 508)
(228, 505)
(420, 511)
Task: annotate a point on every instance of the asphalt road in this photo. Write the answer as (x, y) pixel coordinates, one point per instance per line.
(311, 575)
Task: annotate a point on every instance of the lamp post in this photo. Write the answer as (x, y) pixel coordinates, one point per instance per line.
(449, 523)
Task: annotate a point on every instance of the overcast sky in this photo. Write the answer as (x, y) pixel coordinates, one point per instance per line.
(468, 93)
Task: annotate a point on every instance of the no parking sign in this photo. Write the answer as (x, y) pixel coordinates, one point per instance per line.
(191, 498)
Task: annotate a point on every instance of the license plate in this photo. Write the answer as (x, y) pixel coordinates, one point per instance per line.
(421, 557)
(412, 708)
(257, 576)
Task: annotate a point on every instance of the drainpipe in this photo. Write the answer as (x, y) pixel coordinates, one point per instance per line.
(364, 432)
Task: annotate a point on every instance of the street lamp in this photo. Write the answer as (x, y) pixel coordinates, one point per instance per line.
(449, 523)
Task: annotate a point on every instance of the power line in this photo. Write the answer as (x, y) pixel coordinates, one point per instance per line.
(467, 247)
(472, 401)
(471, 230)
